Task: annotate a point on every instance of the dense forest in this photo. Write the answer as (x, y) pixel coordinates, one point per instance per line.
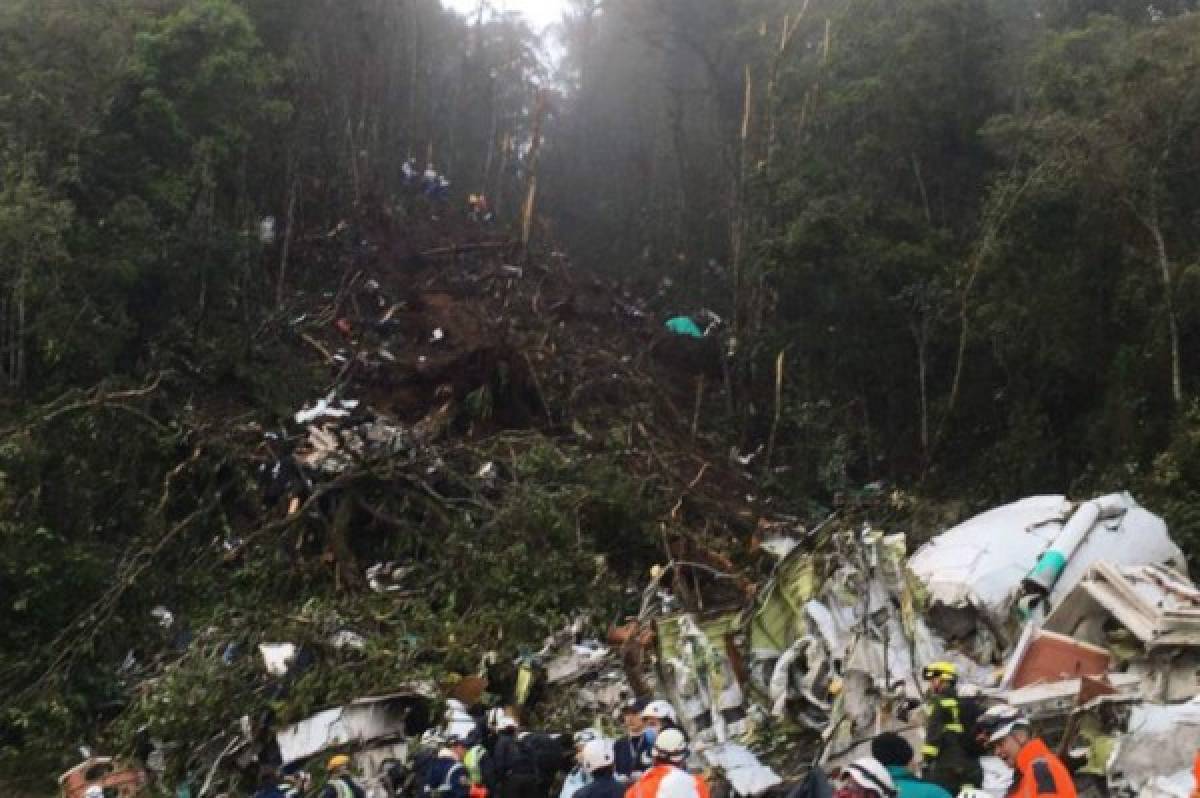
(955, 245)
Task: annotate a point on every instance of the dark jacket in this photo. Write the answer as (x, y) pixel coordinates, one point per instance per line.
(602, 787)
(447, 779)
(948, 761)
(627, 755)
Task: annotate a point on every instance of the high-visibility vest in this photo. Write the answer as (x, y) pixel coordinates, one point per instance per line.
(473, 762)
(950, 708)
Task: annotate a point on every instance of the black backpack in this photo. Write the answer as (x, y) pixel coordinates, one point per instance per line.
(545, 752)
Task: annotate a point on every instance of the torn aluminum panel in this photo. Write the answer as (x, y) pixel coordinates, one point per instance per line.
(1158, 606)
(741, 768)
(976, 570)
(699, 677)
(363, 721)
(1159, 740)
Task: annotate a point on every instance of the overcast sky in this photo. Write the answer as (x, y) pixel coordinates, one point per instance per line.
(540, 12)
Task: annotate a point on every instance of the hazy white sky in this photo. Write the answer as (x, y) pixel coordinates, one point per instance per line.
(540, 12)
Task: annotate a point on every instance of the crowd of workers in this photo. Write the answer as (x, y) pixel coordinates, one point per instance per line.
(498, 759)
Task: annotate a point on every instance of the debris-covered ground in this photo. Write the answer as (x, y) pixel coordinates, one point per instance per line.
(491, 480)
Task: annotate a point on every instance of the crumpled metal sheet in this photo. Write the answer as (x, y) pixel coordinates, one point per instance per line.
(1159, 739)
(981, 563)
(745, 773)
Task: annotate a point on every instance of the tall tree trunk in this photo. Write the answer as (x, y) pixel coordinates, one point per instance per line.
(1164, 266)
(531, 195)
(289, 223)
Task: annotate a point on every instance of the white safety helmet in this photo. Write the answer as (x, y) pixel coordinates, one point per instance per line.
(431, 738)
(999, 722)
(678, 784)
(872, 776)
(659, 709)
(597, 754)
(671, 745)
(94, 791)
(494, 716)
(505, 723)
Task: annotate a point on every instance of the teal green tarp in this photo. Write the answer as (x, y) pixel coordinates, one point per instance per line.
(682, 325)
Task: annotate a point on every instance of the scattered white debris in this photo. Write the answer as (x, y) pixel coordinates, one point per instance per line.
(277, 657)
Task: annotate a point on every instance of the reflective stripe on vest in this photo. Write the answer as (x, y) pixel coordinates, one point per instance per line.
(473, 762)
(447, 785)
(951, 706)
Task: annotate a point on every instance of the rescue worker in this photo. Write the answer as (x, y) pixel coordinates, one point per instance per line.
(578, 777)
(670, 753)
(865, 778)
(627, 752)
(430, 744)
(339, 783)
(657, 717)
(447, 776)
(948, 761)
(1037, 772)
(894, 753)
(480, 770)
(516, 772)
(599, 761)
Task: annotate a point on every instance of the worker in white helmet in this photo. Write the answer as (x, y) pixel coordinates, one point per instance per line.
(657, 717)
(663, 779)
(866, 778)
(598, 760)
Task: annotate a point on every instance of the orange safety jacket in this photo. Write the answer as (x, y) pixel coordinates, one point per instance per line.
(1040, 774)
(647, 785)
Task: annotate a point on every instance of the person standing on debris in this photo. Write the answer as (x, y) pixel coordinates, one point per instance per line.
(627, 752)
(1037, 772)
(894, 753)
(480, 770)
(947, 750)
(579, 776)
(670, 754)
(865, 778)
(598, 760)
(339, 783)
(447, 776)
